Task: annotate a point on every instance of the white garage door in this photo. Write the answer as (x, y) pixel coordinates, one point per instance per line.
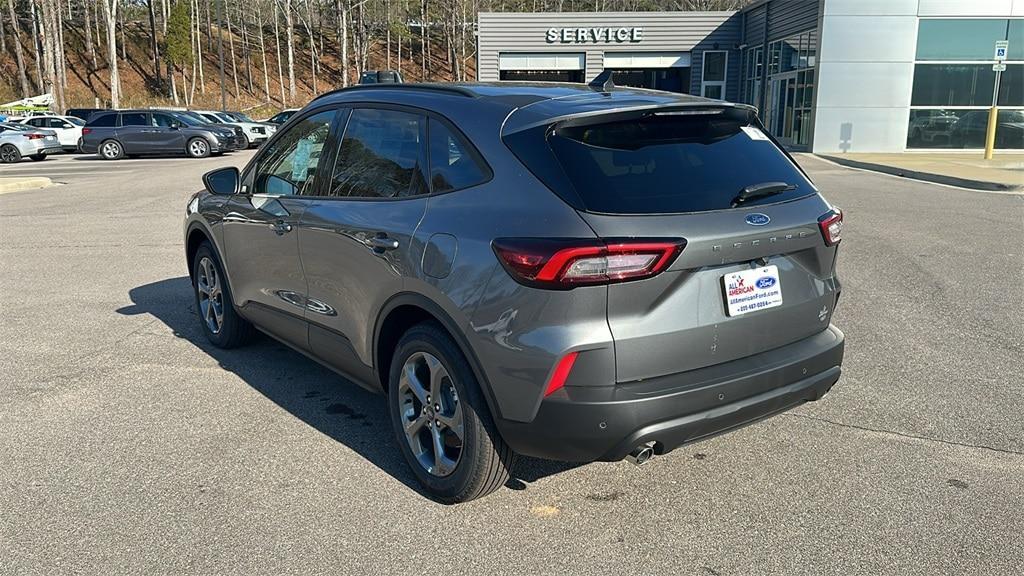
(620, 60)
(541, 61)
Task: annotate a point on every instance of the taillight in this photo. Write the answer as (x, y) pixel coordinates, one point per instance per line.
(86, 131)
(563, 264)
(35, 136)
(561, 373)
(831, 225)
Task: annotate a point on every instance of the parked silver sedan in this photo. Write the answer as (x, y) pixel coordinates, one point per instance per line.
(18, 141)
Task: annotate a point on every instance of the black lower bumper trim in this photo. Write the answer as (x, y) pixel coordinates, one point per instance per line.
(607, 422)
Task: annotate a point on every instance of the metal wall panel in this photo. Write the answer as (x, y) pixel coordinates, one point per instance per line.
(662, 32)
(788, 17)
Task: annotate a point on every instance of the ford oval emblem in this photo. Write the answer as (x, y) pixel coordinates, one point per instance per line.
(757, 219)
(765, 282)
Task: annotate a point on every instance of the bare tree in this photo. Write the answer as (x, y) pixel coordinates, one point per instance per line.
(289, 30)
(231, 44)
(110, 16)
(154, 49)
(19, 54)
(3, 36)
(89, 46)
(263, 50)
(36, 39)
(277, 39)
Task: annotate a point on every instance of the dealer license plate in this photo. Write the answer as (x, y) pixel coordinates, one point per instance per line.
(750, 290)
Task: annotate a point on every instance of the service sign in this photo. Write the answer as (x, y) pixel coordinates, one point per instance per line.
(750, 290)
(594, 35)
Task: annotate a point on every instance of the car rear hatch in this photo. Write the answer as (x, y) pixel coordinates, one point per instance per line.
(757, 270)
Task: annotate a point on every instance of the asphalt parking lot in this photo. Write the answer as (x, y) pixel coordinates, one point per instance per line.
(128, 445)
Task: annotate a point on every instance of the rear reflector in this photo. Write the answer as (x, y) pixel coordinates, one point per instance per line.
(561, 373)
(831, 225)
(563, 264)
(86, 130)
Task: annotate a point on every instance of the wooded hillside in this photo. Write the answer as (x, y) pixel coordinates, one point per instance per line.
(275, 53)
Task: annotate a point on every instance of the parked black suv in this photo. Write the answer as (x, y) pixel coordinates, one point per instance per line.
(131, 133)
(83, 113)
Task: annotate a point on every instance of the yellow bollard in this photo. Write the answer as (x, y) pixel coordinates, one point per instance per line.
(990, 133)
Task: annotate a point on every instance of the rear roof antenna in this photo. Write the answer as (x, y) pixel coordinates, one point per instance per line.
(603, 82)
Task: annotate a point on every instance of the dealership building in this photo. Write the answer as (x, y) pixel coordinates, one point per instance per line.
(826, 75)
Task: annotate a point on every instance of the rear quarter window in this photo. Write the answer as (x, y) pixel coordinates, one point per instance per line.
(670, 163)
(102, 121)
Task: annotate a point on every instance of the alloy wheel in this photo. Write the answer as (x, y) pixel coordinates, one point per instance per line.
(111, 150)
(211, 297)
(8, 154)
(197, 148)
(431, 414)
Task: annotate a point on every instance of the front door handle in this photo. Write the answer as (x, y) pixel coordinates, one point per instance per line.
(281, 228)
(382, 243)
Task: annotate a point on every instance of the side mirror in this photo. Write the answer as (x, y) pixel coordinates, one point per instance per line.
(222, 181)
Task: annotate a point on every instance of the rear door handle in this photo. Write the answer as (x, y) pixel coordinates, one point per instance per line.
(382, 243)
(281, 228)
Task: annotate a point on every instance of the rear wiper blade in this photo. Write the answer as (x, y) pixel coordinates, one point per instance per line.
(760, 191)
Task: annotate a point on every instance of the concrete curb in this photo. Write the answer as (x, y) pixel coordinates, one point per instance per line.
(20, 184)
(926, 176)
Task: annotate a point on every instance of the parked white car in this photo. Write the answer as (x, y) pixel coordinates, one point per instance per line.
(255, 132)
(67, 128)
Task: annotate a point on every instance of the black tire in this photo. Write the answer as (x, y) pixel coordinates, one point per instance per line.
(9, 154)
(110, 150)
(485, 461)
(234, 330)
(243, 142)
(197, 148)
(38, 157)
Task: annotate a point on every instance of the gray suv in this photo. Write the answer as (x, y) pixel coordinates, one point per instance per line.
(560, 271)
(119, 133)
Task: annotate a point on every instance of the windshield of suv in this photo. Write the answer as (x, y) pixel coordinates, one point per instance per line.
(242, 117)
(673, 163)
(222, 117)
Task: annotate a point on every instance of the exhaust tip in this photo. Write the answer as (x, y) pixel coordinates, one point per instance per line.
(641, 454)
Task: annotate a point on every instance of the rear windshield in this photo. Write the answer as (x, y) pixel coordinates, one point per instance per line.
(672, 163)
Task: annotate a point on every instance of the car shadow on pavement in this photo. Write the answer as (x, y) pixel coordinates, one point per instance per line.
(317, 396)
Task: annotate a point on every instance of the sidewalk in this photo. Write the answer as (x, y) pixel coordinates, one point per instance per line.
(18, 184)
(1005, 172)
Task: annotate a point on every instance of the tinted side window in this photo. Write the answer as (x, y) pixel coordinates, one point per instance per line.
(37, 122)
(383, 155)
(290, 163)
(104, 121)
(133, 119)
(452, 166)
(164, 120)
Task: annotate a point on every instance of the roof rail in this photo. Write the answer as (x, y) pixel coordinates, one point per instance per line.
(435, 87)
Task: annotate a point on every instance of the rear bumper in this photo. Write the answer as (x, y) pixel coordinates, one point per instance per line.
(582, 424)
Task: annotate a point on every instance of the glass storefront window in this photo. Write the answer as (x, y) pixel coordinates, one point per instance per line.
(789, 56)
(1015, 34)
(959, 39)
(966, 85)
(946, 128)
